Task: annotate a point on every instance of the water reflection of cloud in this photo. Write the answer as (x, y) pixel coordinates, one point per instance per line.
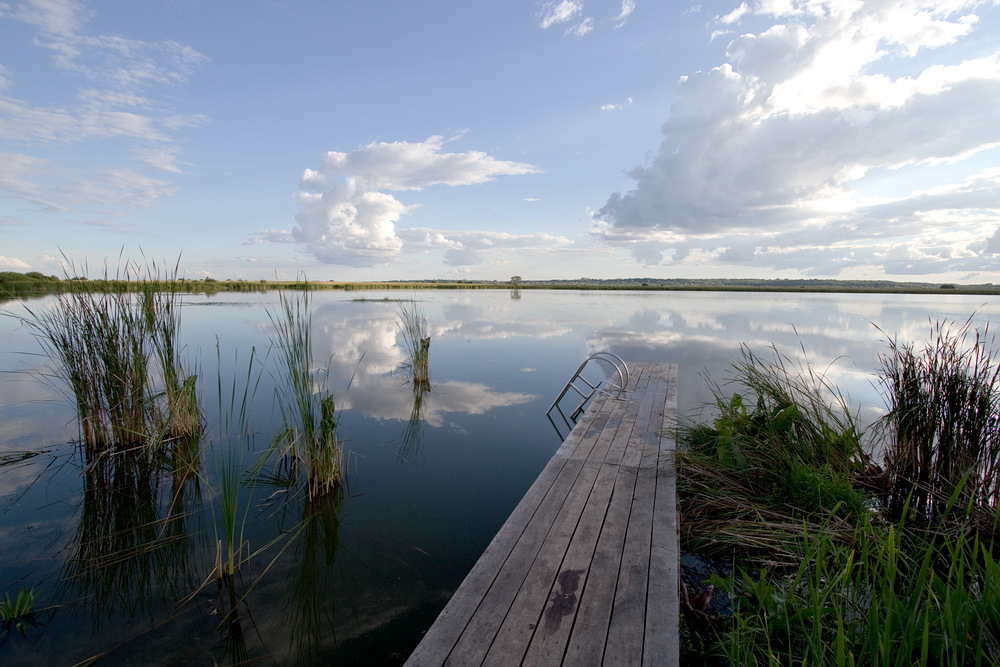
(391, 398)
(364, 345)
(705, 345)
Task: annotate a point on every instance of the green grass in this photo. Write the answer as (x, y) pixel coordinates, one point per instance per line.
(836, 559)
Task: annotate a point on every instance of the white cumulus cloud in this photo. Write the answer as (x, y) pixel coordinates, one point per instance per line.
(765, 156)
(349, 215)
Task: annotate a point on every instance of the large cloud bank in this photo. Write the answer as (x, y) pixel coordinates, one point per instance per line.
(838, 135)
(349, 213)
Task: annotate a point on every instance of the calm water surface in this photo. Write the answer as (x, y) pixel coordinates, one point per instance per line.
(118, 554)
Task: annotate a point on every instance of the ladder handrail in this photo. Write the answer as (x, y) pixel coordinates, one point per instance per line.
(620, 367)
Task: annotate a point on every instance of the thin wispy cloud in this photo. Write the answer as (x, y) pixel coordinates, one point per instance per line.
(559, 11)
(628, 6)
(116, 96)
(617, 107)
(570, 13)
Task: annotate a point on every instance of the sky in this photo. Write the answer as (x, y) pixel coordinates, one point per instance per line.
(549, 139)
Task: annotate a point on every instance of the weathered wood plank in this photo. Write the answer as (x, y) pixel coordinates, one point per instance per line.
(665, 386)
(589, 634)
(617, 420)
(585, 569)
(587, 430)
(475, 641)
(662, 603)
(627, 624)
(638, 439)
(553, 630)
(544, 574)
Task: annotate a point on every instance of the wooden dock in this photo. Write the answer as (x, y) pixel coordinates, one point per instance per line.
(584, 572)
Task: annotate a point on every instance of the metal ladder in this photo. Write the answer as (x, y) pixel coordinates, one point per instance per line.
(589, 389)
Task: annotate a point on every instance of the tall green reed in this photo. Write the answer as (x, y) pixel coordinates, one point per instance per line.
(417, 342)
(308, 438)
(943, 421)
(111, 348)
(161, 307)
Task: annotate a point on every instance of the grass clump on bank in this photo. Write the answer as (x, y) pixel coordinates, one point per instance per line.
(830, 556)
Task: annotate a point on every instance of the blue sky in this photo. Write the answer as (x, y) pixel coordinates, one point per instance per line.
(480, 140)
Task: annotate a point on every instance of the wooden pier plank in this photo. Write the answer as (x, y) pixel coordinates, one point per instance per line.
(589, 634)
(585, 569)
(552, 633)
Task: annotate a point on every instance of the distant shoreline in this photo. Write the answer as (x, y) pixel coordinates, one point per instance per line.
(25, 284)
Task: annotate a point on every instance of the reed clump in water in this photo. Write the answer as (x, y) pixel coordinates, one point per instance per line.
(111, 348)
(943, 423)
(417, 342)
(308, 438)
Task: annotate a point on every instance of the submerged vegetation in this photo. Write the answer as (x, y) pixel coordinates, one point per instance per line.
(17, 613)
(834, 546)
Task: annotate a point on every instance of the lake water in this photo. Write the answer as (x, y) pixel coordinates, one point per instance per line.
(118, 554)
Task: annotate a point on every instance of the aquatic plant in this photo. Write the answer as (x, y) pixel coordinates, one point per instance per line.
(161, 308)
(417, 342)
(835, 560)
(108, 347)
(308, 437)
(21, 611)
(943, 423)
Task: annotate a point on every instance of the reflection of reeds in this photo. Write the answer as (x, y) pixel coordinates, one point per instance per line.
(417, 341)
(308, 436)
(130, 548)
(413, 435)
(311, 614)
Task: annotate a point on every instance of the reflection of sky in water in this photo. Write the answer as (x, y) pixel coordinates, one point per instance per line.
(432, 475)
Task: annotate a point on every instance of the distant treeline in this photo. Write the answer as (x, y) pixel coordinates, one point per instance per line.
(33, 283)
